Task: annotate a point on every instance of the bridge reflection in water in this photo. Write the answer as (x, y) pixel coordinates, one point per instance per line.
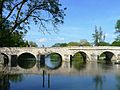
(52, 68)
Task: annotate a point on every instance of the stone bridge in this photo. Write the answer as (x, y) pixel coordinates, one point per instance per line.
(90, 53)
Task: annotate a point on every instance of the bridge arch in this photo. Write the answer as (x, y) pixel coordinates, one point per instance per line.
(28, 53)
(84, 55)
(26, 60)
(53, 60)
(108, 55)
(5, 59)
(54, 53)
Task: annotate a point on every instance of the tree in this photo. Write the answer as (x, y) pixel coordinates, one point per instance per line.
(8, 38)
(116, 43)
(33, 44)
(117, 40)
(22, 13)
(98, 36)
(117, 27)
(59, 45)
(73, 44)
(84, 42)
(103, 44)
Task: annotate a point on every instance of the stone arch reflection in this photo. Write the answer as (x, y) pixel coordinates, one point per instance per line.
(53, 61)
(106, 57)
(5, 59)
(26, 60)
(79, 60)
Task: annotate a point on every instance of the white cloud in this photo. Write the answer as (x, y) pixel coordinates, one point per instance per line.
(57, 39)
(41, 40)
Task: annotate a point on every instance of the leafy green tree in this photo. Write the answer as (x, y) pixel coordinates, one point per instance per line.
(98, 36)
(84, 42)
(73, 44)
(22, 13)
(116, 43)
(103, 44)
(32, 44)
(117, 27)
(11, 39)
(60, 45)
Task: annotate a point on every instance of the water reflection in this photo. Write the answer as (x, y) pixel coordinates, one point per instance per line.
(78, 61)
(76, 64)
(99, 80)
(105, 66)
(16, 78)
(93, 77)
(59, 75)
(118, 82)
(26, 64)
(26, 61)
(4, 82)
(53, 61)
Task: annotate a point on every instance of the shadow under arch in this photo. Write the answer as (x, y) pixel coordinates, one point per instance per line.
(107, 56)
(6, 59)
(26, 60)
(53, 60)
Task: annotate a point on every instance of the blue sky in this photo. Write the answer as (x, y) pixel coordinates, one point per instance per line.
(80, 20)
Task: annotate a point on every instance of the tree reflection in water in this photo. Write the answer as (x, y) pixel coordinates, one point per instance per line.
(26, 61)
(78, 61)
(4, 82)
(118, 82)
(6, 79)
(98, 79)
(16, 78)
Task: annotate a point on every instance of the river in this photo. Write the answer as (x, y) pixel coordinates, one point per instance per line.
(64, 76)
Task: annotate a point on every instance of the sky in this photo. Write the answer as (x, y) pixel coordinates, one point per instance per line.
(79, 23)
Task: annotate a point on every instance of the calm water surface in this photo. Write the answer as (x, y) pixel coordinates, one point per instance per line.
(90, 76)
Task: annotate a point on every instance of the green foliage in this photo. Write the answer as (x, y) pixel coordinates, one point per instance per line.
(16, 16)
(117, 40)
(54, 57)
(33, 44)
(116, 43)
(117, 27)
(10, 39)
(103, 44)
(84, 42)
(59, 45)
(78, 57)
(73, 44)
(21, 12)
(78, 61)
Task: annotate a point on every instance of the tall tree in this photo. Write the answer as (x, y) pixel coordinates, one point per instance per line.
(22, 13)
(98, 36)
(117, 27)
